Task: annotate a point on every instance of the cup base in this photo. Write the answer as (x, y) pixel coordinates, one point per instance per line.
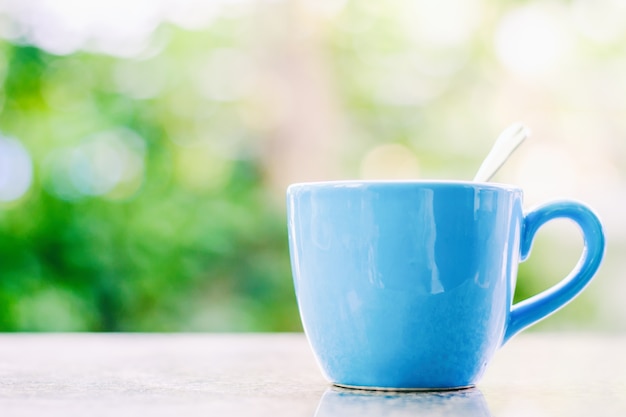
(395, 389)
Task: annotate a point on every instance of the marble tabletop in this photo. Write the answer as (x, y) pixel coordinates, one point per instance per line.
(535, 374)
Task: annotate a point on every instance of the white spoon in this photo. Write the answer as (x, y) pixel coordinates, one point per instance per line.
(507, 142)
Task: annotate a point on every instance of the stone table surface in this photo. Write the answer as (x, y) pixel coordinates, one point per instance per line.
(535, 374)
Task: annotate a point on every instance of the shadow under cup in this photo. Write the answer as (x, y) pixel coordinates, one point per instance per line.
(337, 402)
(409, 285)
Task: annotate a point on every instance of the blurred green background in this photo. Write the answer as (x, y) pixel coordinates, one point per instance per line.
(145, 146)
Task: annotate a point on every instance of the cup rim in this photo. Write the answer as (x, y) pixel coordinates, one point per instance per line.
(354, 183)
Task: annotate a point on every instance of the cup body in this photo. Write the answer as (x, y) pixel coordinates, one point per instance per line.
(404, 285)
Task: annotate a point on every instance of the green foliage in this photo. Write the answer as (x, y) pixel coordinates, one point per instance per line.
(182, 252)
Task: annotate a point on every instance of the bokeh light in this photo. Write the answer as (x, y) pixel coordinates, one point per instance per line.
(16, 169)
(390, 161)
(602, 21)
(200, 168)
(533, 40)
(442, 23)
(106, 164)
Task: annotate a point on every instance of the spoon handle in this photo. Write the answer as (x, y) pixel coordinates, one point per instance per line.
(504, 146)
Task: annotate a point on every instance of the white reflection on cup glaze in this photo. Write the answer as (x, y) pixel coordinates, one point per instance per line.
(339, 402)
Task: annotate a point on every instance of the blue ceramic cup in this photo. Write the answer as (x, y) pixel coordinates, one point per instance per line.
(409, 284)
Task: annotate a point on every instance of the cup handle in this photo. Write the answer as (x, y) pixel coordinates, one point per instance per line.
(535, 308)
